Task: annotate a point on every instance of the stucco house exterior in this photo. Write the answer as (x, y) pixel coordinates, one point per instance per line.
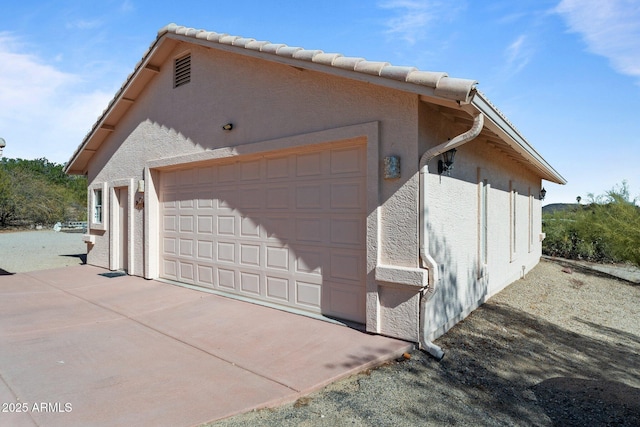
(312, 182)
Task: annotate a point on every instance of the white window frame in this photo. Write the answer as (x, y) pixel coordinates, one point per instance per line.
(97, 206)
(483, 223)
(98, 223)
(513, 220)
(531, 204)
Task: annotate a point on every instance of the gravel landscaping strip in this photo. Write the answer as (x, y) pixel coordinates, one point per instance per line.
(557, 348)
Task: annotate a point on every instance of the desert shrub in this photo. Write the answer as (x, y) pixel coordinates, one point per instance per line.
(607, 229)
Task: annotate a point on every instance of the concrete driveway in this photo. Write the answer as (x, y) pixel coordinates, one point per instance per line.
(78, 349)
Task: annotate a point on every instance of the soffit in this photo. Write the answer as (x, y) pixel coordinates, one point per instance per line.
(501, 135)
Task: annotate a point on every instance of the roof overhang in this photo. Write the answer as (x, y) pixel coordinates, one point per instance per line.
(436, 86)
(498, 124)
(432, 87)
(126, 96)
(499, 133)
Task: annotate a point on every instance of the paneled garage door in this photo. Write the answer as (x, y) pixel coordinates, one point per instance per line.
(288, 229)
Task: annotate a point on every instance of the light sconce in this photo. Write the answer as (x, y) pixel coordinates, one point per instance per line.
(392, 167)
(446, 164)
(2, 145)
(543, 193)
(228, 126)
(141, 186)
(139, 203)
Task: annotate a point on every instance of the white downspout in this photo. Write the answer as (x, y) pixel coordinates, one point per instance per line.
(426, 260)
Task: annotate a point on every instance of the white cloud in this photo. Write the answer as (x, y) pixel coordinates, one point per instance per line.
(610, 28)
(127, 6)
(518, 54)
(23, 80)
(511, 18)
(412, 18)
(45, 112)
(84, 24)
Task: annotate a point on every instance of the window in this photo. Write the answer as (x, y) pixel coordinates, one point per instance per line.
(97, 206)
(182, 71)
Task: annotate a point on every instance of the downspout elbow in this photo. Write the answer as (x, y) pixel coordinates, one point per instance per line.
(426, 260)
(463, 138)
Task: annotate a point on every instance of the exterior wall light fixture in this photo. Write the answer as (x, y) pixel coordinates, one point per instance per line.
(543, 193)
(228, 126)
(392, 167)
(446, 164)
(2, 145)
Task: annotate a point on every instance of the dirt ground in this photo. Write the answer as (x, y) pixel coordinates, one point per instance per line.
(29, 250)
(558, 348)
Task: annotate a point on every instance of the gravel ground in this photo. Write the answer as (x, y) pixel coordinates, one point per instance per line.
(23, 251)
(558, 348)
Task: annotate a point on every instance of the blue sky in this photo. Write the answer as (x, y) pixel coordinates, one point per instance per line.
(565, 72)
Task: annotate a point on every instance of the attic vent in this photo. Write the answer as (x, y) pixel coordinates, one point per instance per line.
(182, 71)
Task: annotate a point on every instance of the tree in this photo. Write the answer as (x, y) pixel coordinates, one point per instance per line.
(7, 202)
(39, 192)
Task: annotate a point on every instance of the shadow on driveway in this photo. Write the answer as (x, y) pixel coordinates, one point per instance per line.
(81, 257)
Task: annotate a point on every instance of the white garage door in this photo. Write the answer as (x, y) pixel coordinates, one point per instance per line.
(288, 230)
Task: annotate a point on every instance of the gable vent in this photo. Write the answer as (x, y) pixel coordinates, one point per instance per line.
(182, 71)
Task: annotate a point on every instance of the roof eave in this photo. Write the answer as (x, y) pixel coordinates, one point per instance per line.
(432, 87)
(77, 164)
(498, 123)
(437, 87)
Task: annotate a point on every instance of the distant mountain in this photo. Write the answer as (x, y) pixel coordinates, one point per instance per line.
(555, 207)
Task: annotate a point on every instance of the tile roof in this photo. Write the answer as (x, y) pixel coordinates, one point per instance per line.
(443, 86)
(435, 85)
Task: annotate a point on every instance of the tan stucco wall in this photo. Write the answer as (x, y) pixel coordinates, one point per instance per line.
(268, 101)
(453, 217)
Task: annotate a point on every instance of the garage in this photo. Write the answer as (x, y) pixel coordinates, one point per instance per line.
(287, 229)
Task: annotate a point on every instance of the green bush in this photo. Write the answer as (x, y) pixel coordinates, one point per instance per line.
(607, 229)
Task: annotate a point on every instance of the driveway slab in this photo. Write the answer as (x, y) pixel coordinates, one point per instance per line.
(297, 351)
(77, 349)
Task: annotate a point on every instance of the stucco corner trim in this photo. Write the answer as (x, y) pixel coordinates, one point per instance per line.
(408, 276)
